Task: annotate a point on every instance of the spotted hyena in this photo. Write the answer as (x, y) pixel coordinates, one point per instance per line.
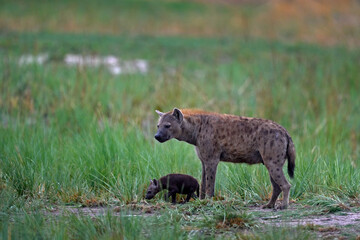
(174, 183)
(229, 138)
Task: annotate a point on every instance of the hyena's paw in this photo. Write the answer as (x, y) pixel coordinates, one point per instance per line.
(267, 206)
(282, 207)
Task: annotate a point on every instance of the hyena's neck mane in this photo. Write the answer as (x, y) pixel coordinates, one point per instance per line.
(191, 112)
(164, 182)
(191, 125)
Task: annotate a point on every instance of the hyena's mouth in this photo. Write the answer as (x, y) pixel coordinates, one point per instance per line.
(161, 138)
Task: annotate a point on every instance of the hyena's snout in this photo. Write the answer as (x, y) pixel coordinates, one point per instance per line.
(161, 137)
(149, 196)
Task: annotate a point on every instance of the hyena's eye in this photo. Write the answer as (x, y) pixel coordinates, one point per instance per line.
(167, 126)
(157, 126)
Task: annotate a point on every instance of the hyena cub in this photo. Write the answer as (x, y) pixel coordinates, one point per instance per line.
(174, 183)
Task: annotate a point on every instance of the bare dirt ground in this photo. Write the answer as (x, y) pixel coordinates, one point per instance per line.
(265, 215)
(330, 219)
(341, 224)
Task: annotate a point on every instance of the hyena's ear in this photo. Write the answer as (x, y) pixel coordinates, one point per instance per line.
(155, 182)
(178, 114)
(160, 113)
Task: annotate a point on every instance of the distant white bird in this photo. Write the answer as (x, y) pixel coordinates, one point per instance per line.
(31, 59)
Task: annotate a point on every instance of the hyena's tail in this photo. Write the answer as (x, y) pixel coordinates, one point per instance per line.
(291, 157)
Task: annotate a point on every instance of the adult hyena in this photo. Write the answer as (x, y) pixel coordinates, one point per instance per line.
(229, 138)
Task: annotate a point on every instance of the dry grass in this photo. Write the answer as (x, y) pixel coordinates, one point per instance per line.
(322, 22)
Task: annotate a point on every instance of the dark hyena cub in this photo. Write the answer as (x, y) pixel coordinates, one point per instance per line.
(174, 183)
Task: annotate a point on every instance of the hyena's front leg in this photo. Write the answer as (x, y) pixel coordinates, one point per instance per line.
(203, 175)
(203, 182)
(209, 164)
(166, 196)
(210, 173)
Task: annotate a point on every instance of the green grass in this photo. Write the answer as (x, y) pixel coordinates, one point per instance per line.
(107, 226)
(83, 136)
(84, 132)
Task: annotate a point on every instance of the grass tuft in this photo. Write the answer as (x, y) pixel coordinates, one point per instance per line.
(329, 204)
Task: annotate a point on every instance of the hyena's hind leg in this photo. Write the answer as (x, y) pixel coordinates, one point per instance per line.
(275, 194)
(274, 160)
(279, 178)
(191, 195)
(188, 197)
(173, 198)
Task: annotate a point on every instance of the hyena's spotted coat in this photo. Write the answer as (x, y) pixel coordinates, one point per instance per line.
(229, 138)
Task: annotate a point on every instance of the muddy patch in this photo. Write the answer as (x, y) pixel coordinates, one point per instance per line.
(130, 210)
(195, 215)
(291, 217)
(340, 219)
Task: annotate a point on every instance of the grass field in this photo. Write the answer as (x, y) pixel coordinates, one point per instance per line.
(82, 138)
